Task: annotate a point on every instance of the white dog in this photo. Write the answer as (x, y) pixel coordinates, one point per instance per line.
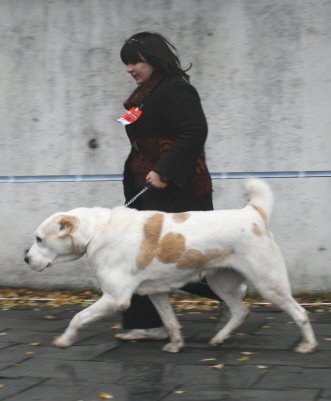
(153, 253)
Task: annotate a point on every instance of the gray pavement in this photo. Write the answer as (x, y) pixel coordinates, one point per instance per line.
(256, 364)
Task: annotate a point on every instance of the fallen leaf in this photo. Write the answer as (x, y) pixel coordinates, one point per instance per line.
(208, 359)
(3, 333)
(105, 396)
(247, 353)
(327, 339)
(219, 366)
(30, 353)
(179, 392)
(2, 385)
(49, 317)
(243, 359)
(117, 326)
(35, 344)
(262, 366)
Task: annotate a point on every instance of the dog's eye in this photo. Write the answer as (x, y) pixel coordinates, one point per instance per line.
(38, 239)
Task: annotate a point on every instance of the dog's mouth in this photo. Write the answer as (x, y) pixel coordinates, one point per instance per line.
(47, 266)
(41, 268)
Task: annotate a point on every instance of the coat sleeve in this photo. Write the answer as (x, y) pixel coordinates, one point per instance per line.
(183, 114)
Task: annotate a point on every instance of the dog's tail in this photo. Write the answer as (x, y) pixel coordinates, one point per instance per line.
(261, 197)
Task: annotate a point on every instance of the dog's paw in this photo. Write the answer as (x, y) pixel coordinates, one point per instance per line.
(215, 341)
(173, 347)
(62, 342)
(305, 348)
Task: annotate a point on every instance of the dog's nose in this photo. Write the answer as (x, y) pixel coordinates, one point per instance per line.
(27, 260)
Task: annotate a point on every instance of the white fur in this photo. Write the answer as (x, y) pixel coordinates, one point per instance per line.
(112, 238)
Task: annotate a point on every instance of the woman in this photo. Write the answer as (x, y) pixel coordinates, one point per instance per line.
(167, 130)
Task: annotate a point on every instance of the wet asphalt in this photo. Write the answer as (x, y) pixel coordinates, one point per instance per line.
(256, 364)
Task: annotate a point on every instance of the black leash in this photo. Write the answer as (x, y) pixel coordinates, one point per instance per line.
(146, 187)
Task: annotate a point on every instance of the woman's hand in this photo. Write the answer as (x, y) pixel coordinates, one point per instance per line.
(155, 180)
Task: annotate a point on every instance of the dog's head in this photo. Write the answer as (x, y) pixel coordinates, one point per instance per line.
(56, 240)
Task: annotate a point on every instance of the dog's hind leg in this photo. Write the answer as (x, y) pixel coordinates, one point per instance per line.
(300, 316)
(102, 307)
(281, 297)
(269, 276)
(227, 284)
(169, 319)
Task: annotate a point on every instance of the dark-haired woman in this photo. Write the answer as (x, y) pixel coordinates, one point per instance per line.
(167, 130)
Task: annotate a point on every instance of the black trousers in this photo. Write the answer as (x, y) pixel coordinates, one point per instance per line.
(142, 313)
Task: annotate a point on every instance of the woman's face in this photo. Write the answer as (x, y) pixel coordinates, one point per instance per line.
(140, 71)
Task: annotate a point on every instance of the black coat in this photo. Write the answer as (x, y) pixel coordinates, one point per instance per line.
(169, 138)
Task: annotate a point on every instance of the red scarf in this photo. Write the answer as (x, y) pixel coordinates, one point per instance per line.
(139, 94)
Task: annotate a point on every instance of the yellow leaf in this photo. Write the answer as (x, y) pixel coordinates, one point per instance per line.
(2, 385)
(247, 353)
(3, 333)
(243, 359)
(105, 396)
(179, 392)
(208, 359)
(219, 366)
(117, 326)
(262, 366)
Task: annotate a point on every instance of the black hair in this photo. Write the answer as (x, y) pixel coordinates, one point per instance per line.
(156, 50)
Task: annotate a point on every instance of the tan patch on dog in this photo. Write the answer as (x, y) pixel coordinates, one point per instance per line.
(261, 212)
(180, 217)
(149, 244)
(194, 258)
(256, 229)
(171, 247)
(191, 259)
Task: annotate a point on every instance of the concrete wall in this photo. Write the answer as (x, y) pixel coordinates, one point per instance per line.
(262, 67)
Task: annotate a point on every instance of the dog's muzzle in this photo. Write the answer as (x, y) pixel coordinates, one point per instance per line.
(31, 263)
(26, 258)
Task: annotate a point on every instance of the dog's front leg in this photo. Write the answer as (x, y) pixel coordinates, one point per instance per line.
(169, 319)
(102, 307)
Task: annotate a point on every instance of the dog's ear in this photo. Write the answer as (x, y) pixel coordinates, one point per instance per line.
(68, 224)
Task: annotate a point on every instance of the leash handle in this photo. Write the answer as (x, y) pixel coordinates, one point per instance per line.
(146, 187)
